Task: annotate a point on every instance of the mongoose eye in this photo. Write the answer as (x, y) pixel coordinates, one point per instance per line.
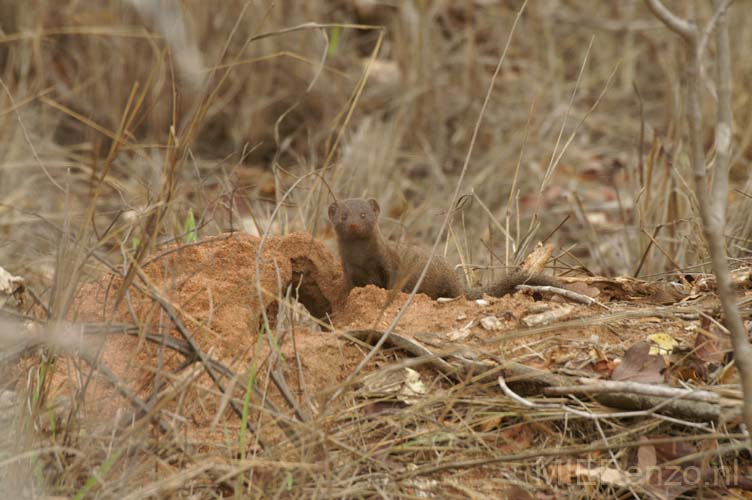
(362, 215)
(344, 217)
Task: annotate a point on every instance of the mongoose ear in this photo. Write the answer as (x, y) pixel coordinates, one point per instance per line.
(332, 210)
(374, 206)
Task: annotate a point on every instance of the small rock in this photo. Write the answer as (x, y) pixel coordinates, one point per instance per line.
(548, 316)
(444, 300)
(491, 323)
(539, 307)
(458, 334)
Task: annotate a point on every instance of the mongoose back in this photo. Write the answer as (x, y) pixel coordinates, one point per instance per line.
(369, 259)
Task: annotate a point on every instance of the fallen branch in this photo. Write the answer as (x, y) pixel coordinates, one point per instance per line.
(610, 386)
(527, 381)
(568, 294)
(592, 415)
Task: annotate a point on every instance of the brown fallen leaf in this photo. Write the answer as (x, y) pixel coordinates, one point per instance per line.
(712, 343)
(638, 365)
(687, 367)
(377, 407)
(514, 492)
(604, 367)
(584, 289)
(670, 481)
(490, 423)
(646, 457)
(562, 473)
(515, 438)
(536, 261)
(666, 452)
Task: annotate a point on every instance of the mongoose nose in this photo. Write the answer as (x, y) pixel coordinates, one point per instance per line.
(352, 227)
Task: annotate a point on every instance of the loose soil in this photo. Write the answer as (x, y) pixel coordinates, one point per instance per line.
(215, 290)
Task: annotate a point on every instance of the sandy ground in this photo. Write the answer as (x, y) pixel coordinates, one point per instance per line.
(213, 287)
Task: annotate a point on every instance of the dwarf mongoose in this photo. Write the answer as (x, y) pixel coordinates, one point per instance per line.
(369, 259)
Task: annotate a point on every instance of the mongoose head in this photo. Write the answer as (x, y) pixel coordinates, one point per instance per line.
(356, 218)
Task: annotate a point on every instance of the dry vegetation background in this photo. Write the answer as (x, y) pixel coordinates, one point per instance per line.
(270, 112)
(116, 119)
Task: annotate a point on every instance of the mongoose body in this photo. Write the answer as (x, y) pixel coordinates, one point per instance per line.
(369, 259)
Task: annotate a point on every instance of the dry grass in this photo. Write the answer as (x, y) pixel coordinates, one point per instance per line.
(113, 123)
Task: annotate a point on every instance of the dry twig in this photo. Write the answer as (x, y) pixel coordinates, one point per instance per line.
(713, 207)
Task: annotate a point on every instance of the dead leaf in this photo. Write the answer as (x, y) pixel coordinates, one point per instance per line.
(10, 286)
(729, 375)
(516, 438)
(405, 384)
(603, 475)
(490, 423)
(624, 288)
(663, 343)
(604, 367)
(638, 365)
(584, 289)
(514, 492)
(381, 406)
(562, 473)
(667, 452)
(712, 344)
(646, 457)
(687, 367)
(536, 261)
(670, 481)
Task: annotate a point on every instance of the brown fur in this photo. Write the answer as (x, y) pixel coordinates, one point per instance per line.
(369, 259)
